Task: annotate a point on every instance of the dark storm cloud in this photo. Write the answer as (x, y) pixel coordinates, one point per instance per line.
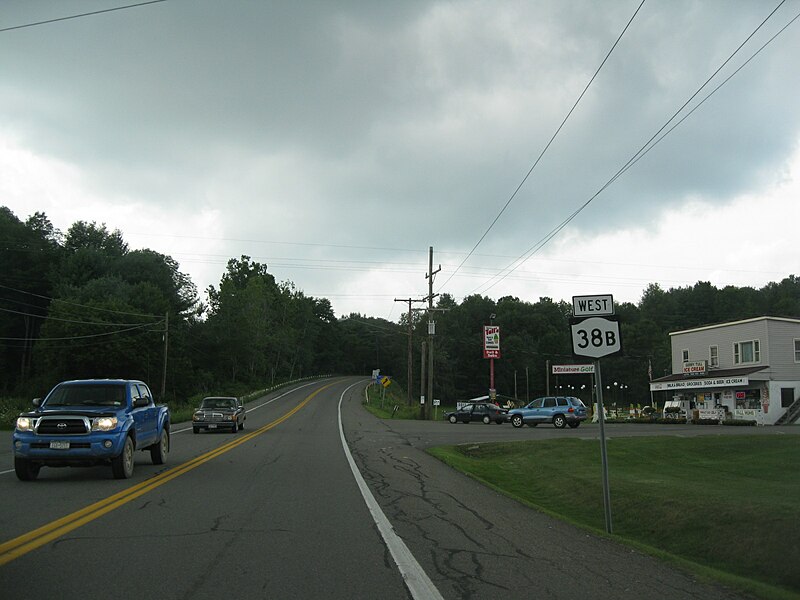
(319, 121)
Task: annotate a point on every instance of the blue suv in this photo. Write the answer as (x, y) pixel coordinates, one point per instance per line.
(558, 410)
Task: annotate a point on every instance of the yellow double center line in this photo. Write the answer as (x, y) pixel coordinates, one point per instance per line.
(23, 544)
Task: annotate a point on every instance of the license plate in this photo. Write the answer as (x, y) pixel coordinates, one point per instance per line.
(212, 426)
(59, 445)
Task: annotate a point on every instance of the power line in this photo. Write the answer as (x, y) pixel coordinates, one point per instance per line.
(77, 337)
(49, 318)
(547, 146)
(108, 310)
(88, 14)
(643, 150)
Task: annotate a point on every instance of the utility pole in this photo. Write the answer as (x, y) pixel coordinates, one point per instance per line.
(527, 387)
(547, 375)
(422, 381)
(431, 328)
(410, 329)
(166, 346)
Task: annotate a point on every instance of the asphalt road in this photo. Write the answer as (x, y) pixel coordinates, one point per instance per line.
(275, 511)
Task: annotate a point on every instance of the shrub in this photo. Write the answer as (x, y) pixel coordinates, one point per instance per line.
(738, 423)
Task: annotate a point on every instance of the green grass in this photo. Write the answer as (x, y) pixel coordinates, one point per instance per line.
(382, 402)
(730, 505)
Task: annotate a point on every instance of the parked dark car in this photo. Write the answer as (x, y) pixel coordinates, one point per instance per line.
(478, 411)
(558, 410)
(219, 412)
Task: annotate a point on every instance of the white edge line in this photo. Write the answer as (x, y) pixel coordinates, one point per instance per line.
(417, 581)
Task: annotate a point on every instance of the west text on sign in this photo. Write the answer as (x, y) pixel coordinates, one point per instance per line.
(589, 306)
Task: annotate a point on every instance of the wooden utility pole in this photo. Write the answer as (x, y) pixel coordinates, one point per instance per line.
(431, 328)
(410, 348)
(422, 382)
(166, 346)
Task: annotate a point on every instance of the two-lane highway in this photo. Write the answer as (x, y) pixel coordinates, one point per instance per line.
(276, 511)
(271, 512)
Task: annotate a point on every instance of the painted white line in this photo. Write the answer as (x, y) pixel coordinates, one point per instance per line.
(417, 581)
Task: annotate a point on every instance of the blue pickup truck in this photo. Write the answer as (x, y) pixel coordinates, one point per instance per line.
(89, 422)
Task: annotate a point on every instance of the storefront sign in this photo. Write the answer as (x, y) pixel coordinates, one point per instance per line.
(746, 413)
(695, 367)
(712, 413)
(687, 384)
(491, 341)
(572, 369)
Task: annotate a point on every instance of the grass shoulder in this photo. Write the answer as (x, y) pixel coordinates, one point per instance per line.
(723, 506)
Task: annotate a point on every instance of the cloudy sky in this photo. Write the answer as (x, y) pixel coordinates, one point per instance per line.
(337, 141)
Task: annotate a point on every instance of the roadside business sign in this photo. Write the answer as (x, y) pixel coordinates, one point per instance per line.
(572, 369)
(709, 382)
(695, 367)
(491, 341)
(593, 306)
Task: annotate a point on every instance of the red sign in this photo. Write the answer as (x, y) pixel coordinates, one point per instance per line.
(491, 341)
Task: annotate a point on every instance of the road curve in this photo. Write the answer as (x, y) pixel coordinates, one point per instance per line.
(275, 511)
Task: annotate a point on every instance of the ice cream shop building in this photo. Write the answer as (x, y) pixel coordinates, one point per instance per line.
(746, 370)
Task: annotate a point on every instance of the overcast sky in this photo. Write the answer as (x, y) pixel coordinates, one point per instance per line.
(337, 141)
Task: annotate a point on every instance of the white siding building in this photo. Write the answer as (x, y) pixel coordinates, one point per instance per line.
(750, 369)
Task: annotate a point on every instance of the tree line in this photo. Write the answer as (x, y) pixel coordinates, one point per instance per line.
(82, 304)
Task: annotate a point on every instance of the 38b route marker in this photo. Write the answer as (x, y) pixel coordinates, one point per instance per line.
(595, 337)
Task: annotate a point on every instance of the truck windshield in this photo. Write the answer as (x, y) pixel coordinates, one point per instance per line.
(87, 395)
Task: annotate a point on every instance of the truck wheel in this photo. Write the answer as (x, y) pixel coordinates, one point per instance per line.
(25, 469)
(122, 465)
(159, 450)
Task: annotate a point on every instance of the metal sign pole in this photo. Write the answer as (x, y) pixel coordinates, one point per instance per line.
(603, 452)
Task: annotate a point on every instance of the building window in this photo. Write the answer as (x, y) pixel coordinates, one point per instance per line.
(746, 352)
(685, 354)
(713, 356)
(797, 350)
(787, 397)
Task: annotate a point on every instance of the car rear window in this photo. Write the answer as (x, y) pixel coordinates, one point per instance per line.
(562, 401)
(577, 402)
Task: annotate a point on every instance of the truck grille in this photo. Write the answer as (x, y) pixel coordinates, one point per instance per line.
(62, 426)
(214, 417)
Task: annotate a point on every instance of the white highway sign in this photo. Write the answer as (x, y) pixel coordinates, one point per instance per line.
(596, 337)
(592, 306)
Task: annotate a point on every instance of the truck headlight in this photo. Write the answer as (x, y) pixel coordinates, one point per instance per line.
(25, 424)
(104, 423)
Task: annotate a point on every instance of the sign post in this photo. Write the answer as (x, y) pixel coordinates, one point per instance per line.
(595, 334)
